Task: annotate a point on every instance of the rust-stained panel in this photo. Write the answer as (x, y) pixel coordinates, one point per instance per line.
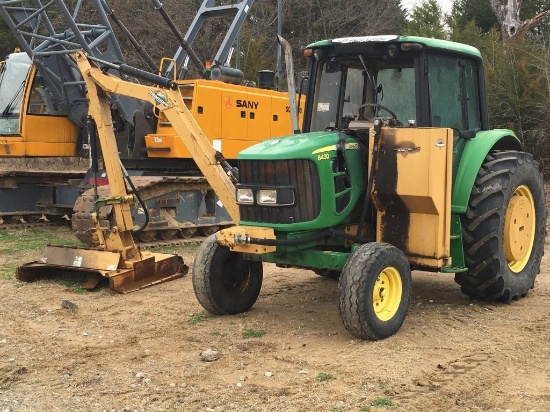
(412, 193)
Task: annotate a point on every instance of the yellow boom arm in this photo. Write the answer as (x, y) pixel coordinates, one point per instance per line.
(172, 105)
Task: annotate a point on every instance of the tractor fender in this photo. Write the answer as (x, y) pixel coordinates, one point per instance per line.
(472, 158)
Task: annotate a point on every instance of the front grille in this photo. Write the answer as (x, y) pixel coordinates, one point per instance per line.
(301, 175)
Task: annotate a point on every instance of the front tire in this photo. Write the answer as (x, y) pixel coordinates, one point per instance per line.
(374, 291)
(224, 282)
(504, 228)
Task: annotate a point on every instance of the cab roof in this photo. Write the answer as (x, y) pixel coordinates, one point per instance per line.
(428, 43)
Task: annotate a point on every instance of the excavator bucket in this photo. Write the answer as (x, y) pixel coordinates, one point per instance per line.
(124, 276)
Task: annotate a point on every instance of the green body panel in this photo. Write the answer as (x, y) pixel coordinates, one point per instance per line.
(457, 247)
(320, 148)
(296, 146)
(328, 253)
(307, 258)
(430, 43)
(471, 160)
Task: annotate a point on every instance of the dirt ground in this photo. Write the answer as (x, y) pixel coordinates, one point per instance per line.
(142, 351)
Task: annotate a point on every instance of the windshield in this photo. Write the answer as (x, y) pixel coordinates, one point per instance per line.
(351, 89)
(12, 79)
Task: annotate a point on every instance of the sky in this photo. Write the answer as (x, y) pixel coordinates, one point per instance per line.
(446, 5)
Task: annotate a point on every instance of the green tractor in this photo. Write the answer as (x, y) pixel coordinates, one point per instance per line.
(396, 169)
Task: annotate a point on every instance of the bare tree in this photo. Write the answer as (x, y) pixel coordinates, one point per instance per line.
(509, 20)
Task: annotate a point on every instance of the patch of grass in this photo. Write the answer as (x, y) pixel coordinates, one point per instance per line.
(216, 333)
(7, 270)
(33, 239)
(179, 249)
(323, 377)
(198, 318)
(73, 283)
(365, 409)
(382, 402)
(251, 333)
(145, 313)
(22, 245)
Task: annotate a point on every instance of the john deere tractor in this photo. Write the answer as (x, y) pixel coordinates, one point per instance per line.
(396, 169)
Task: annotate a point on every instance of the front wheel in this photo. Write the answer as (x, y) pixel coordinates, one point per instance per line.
(374, 291)
(224, 282)
(504, 228)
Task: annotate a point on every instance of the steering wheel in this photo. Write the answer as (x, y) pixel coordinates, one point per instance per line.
(379, 107)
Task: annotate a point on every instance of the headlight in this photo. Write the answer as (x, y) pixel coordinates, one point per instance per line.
(245, 195)
(267, 197)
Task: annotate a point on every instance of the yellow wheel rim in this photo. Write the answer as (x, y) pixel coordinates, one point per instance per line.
(519, 229)
(386, 295)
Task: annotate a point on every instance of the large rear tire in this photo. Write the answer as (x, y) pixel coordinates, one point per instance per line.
(504, 228)
(374, 291)
(224, 282)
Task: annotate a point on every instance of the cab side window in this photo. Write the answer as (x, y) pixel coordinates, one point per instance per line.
(41, 99)
(454, 93)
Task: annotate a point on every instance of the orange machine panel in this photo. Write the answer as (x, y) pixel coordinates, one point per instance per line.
(232, 117)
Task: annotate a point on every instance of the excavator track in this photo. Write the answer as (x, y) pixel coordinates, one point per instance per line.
(180, 208)
(39, 190)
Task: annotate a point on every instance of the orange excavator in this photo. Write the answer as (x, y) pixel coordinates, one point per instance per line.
(45, 142)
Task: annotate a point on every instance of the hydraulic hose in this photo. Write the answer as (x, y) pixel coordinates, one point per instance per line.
(138, 73)
(139, 199)
(366, 204)
(92, 141)
(140, 50)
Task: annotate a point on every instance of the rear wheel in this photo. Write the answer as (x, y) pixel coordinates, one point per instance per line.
(504, 228)
(374, 291)
(224, 282)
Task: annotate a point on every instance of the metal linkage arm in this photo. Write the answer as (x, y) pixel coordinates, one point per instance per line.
(170, 103)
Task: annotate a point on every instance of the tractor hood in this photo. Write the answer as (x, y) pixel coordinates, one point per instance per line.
(297, 146)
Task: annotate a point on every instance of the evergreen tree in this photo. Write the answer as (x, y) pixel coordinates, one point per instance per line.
(426, 20)
(478, 11)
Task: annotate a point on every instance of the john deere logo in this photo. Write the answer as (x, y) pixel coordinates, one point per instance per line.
(160, 98)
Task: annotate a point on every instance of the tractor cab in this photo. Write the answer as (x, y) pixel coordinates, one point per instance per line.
(405, 81)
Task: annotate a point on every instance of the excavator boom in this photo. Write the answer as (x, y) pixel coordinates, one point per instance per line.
(171, 104)
(117, 257)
